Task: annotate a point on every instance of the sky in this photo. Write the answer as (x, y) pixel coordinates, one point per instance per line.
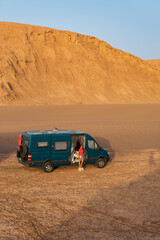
(130, 25)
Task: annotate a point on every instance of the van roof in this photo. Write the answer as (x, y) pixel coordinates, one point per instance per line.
(74, 132)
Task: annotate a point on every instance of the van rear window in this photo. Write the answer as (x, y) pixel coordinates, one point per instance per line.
(60, 146)
(42, 144)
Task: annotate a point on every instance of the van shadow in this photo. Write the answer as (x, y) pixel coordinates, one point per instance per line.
(104, 143)
(8, 143)
(112, 213)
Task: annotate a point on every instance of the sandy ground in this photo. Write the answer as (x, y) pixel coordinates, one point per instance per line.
(154, 62)
(121, 201)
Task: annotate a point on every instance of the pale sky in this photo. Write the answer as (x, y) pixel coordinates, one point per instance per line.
(130, 25)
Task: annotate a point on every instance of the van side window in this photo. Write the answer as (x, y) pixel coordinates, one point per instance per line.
(60, 146)
(42, 144)
(92, 144)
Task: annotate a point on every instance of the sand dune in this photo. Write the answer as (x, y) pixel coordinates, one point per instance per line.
(41, 65)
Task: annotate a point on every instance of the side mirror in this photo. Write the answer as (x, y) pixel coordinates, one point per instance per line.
(98, 148)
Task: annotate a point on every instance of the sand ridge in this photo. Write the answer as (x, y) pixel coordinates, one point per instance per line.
(40, 65)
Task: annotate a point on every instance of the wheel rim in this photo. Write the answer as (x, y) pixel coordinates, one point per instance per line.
(101, 163)
(48, 168)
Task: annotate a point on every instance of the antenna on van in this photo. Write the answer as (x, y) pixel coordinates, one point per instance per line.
(56, 128)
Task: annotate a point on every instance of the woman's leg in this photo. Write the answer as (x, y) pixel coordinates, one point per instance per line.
(81, 162)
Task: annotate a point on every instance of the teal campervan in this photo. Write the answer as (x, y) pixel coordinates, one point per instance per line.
(51, 148)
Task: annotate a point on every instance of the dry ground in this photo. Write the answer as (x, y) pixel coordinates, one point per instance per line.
(121, 201)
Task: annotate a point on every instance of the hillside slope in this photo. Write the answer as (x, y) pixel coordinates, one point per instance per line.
(41, 65)
(154, 63)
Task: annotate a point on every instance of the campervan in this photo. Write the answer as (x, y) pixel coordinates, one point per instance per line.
(51, 148)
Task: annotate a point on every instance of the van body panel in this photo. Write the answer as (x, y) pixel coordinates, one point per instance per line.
(41, 148)
(60, 149)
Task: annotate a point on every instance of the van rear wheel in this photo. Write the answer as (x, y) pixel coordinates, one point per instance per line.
(101, 162)
(47, 167)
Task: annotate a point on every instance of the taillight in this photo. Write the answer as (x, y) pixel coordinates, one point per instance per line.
(29, 157)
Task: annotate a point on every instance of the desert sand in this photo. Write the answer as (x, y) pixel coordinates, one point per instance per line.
(120, 201)
(44, 66)
(58, 78)
(154, 63)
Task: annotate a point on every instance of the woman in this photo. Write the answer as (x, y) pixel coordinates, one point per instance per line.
(80, 151)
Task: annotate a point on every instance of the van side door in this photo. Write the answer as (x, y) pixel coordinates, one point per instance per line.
(60, 149)
(93, 150)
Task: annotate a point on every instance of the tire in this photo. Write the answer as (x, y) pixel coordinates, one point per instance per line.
(23, 152)
(47, 167)
(18, 154)
(101, 163)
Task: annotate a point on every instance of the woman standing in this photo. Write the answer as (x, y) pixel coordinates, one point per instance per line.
(80, 151)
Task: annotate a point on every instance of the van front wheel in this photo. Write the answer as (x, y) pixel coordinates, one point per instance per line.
(101, 162)
(47, 167)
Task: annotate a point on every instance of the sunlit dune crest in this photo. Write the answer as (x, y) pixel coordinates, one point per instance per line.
(40, 65)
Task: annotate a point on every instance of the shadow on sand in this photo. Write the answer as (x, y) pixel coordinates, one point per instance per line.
(8, 143)
(115, 212)
(103, 142)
